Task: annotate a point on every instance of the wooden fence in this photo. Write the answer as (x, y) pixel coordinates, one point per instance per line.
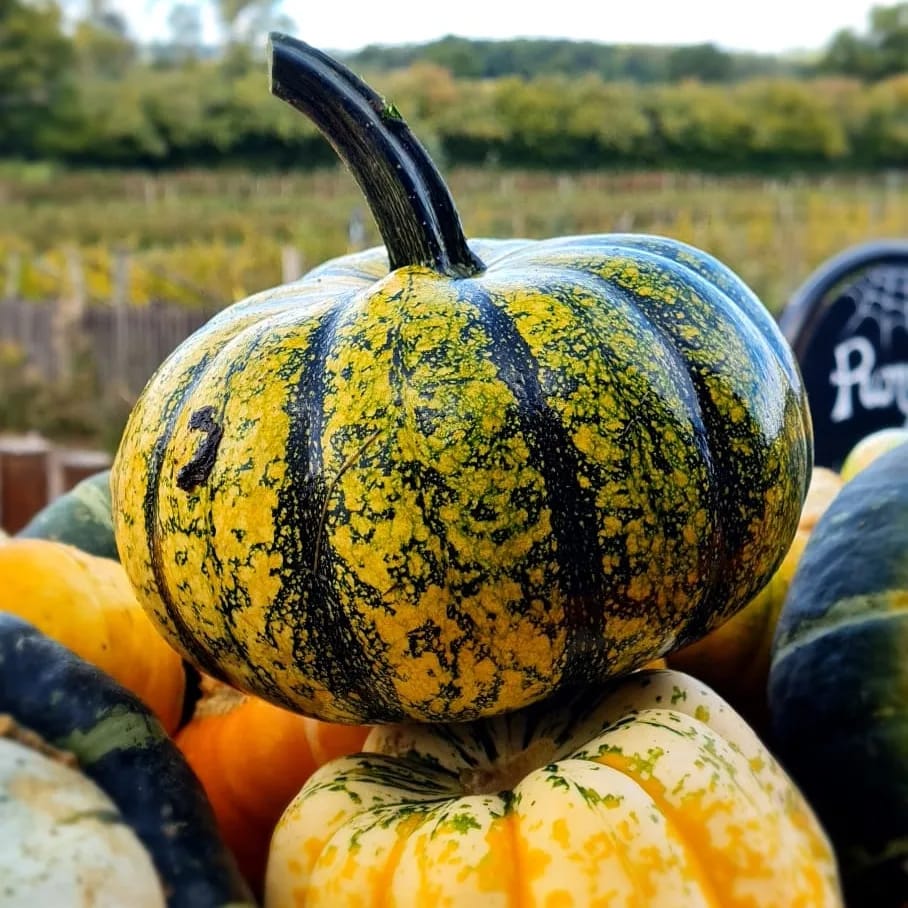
(33, 472)
(123, 342)
(124, 345)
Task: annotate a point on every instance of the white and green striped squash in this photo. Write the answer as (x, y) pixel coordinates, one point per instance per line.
(63, 843)
(441, 479)
(649, 793)
(98, 808)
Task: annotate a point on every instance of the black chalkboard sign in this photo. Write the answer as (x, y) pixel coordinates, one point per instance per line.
(848, 327)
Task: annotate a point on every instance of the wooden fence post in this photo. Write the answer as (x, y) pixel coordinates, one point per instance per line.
(356, 231)
(13, 275)
(24, 479)
(120, 301)
(291, 264)
(68, 466)
(68, 316)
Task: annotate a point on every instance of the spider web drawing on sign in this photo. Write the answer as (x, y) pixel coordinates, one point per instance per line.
(881, 297)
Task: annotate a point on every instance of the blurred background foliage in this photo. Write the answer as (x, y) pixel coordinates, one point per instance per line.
(83, 90)
(172, 152)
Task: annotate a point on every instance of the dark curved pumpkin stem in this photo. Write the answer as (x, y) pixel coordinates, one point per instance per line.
(406, 194)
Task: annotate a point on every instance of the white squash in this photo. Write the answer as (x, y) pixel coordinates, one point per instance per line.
(63, 843)
(650, 793)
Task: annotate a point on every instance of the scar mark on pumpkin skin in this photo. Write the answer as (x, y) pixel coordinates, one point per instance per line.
(319, 534)
(199, 468)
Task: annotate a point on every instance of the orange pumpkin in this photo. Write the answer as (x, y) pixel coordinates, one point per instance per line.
(86, 603)
(252, 758)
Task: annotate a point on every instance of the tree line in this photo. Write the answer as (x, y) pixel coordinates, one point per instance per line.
(467, 58)
(90, 94)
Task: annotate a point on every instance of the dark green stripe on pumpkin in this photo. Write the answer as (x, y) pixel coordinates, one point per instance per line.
(220, 560)
(324, 637)
(735, 291)
(713, 429)
(198, 652)
(574, 516)
(658, 400)
(733, 368)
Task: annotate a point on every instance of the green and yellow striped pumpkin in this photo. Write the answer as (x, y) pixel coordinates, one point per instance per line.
(441, 479)
(648, 793)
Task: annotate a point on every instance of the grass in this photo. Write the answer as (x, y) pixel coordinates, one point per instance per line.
(219, 235)
(212, 237)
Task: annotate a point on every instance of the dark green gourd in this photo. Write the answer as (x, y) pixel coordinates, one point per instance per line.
(838, 685)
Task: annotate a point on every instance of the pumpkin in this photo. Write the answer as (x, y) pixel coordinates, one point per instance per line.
(733, 659)
(838, 683)
(80, 517)
(440, 479)
(868, 448)
(138, 817)
(252, 758)
(649, 791)
(87, 604)
(93, 858)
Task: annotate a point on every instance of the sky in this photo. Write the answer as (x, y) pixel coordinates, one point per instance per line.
(769, 26)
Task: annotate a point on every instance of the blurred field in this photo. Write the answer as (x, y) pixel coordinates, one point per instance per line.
(210, 237)
(199, 240)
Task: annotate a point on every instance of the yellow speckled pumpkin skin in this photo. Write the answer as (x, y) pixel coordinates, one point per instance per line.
(380, 493)
(652, 793)
(733, 659)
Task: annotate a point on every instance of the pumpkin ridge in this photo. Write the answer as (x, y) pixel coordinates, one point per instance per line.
(426, 482)
(750, 476)
(704, 438)
(675, 823)
(698, 616)
(689, 418)
(565, 771)
(713, 272)
(583, 270)
(674, 820)
(574, 518)
(256, 335)
(712, 284)
(200, 654)
(337, 659)
(406, 824)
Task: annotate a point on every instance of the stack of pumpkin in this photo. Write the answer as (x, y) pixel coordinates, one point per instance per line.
(461, 492)
(157, 755)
